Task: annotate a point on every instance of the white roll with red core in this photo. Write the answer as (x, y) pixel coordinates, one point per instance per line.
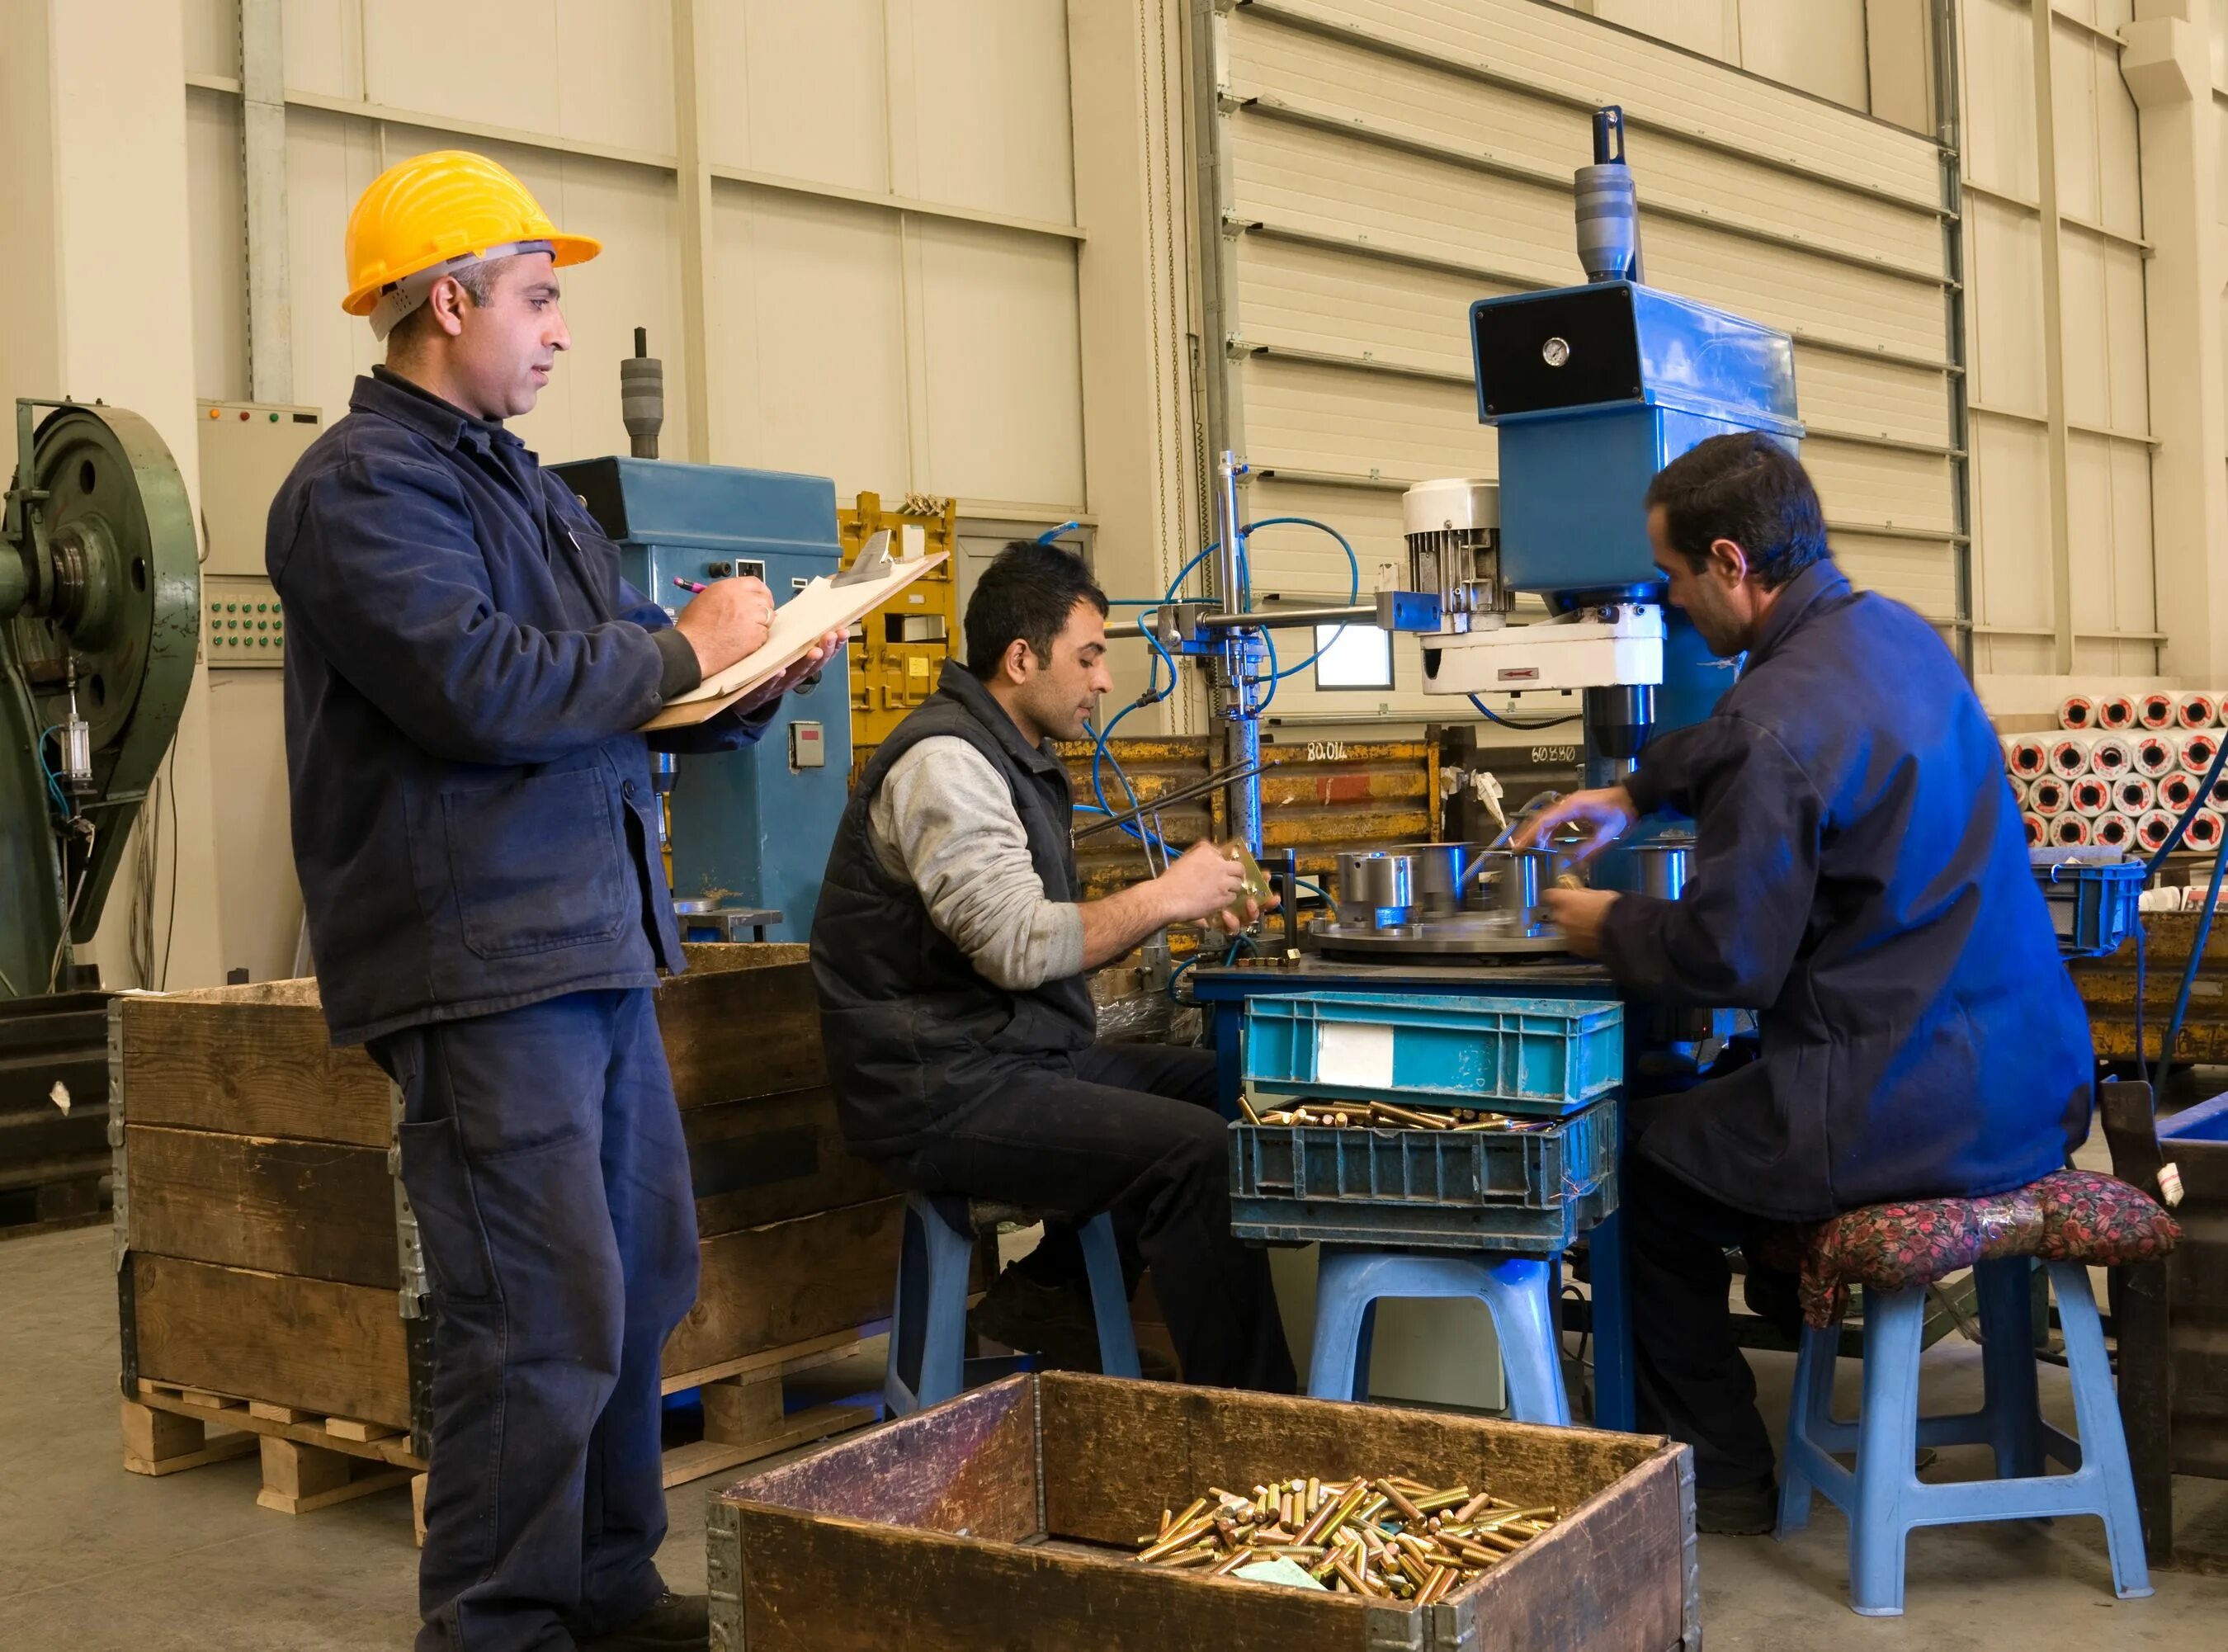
(2115, 713)
(2045, 795)
(2069, 758)
(2197, 711)
(2206, 829)
(2114, 831)
(2177, 792)
(2153, 829)
(2157, 754)
(2111, 756)
(2069, 831)
(2024, 756)
(2091, 795)
(2079, 712)
(2136, 794)
(2038, 830)
(2155, 709)
(2198, 752)
(2219, 799)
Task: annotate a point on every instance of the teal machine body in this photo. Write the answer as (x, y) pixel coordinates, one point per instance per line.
(753, 825)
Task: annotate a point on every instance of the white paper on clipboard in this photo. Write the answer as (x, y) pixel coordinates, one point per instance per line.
(821, 608)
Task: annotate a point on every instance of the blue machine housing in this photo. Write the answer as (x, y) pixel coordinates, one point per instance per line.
(1594, 389)
(744, 822)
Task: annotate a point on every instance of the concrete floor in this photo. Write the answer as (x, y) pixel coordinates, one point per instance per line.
(94, 1559)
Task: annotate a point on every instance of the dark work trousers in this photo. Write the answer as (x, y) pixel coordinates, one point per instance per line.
(543, 1157)
(1128, 1129)
(1692, 1381)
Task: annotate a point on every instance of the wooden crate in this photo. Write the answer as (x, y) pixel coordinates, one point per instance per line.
(265, 1255)
(1009, 1516)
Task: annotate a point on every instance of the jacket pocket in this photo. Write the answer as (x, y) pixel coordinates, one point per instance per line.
(535, 863)
(439, 1182)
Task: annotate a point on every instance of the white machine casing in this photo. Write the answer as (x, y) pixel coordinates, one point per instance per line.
(1610, 646)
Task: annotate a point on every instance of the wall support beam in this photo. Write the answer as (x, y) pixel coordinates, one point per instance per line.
(263, 170)
(2167, 64)
(2053, 339)
(693, 180)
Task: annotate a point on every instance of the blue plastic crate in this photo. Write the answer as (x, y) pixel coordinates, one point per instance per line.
(2093, 894)
(1529, 1191)
(1537, 1055)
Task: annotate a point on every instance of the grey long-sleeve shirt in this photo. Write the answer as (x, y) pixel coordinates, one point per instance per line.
(944, 822)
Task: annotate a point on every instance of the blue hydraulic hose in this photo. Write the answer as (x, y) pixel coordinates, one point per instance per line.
(1493, 716)
(1354, 567)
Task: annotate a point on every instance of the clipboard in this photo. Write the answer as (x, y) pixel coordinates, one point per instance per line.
(830, 603)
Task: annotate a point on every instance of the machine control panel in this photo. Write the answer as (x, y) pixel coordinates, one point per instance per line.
(242, 622)
(808, 746)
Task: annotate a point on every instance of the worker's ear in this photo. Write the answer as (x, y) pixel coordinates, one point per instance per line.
(445, 303)
(1728, 563)
(1019, 658)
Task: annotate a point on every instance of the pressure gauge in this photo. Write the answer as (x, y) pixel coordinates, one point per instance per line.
(1555, 351)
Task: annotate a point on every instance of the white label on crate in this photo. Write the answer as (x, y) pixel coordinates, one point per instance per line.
(1360, 1056)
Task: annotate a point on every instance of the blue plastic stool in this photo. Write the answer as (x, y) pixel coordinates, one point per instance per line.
(1884, 1499)
(1513, 1288)
(928, 1318)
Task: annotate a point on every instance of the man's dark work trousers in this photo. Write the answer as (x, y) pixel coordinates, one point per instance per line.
(1130, 1129)
(1692, 1382)
(543, 1157)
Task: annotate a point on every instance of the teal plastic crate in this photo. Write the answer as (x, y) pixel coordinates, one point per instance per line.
(1529, 1191)
(1532, 1055)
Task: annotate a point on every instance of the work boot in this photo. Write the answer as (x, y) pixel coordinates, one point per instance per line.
(1052, 1321)
(1737, 1511)
(673, 1622)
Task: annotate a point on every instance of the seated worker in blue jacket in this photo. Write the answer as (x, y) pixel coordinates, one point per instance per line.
(465, 671)
(1860, 878)
(949, 950)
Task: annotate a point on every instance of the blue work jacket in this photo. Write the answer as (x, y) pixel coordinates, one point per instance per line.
(472, 812)
(1860, 878)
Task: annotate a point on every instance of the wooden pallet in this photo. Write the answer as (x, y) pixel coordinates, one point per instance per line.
(312, 1461)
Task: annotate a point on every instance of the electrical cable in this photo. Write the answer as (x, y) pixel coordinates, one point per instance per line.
(1493, 716)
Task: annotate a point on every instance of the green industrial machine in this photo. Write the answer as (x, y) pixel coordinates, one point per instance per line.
(100, 618)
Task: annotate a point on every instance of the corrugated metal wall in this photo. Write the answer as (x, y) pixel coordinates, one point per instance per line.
(2063, 570)
(1383, 163)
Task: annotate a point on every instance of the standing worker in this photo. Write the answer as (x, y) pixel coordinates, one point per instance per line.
(1860, 878)
(465, 671)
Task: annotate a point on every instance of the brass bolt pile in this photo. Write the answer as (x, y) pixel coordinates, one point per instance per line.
(1383, 1115)
(1388, 1539)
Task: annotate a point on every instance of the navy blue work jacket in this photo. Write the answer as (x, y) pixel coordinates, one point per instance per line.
(1860, 878)
(465, 669)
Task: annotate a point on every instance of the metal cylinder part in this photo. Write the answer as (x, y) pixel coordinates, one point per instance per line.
(1662, 868)
(1617, 719)
(77, 756)
(641, 397)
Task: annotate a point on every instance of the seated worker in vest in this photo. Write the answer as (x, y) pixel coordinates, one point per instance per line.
(1860, 878)
(949, 950)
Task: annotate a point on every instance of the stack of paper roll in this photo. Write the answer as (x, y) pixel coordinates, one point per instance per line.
(2157, 754)
(2153, 828)
(2122, 770)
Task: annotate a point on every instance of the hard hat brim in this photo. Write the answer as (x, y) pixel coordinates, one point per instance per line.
(564, 250)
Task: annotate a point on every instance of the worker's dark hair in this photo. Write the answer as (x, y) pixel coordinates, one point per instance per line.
(478, 280)
(1750, 490)
(1028, 591)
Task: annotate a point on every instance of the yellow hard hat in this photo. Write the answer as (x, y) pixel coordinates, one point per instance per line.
(435, 213)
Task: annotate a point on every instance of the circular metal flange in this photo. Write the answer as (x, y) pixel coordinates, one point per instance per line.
(1473, 935)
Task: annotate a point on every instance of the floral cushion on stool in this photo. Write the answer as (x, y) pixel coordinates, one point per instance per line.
(2070, 1215)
